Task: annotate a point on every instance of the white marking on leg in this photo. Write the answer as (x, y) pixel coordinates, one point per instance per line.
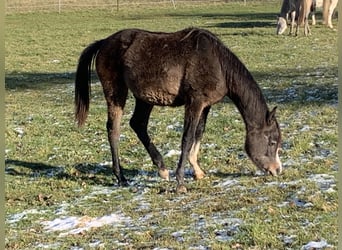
(198, 173)
(278, 161)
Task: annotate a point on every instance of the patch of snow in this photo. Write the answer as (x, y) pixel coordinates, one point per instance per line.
(228, 183)
(222, 236)
(172, 152)
(325, 182)
(19, 131)
(19, 216)
(178, 235)
(97, 244)
(316, 245)
(77, 225)
(48, 246)
(296, 202)
(305, 128)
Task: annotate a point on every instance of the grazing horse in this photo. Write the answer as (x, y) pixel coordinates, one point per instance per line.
(191, 67)
(328, 10)
(299, 11)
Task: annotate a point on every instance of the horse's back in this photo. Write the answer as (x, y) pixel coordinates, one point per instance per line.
(162, 68)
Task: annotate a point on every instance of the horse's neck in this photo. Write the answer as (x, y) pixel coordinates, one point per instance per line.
(248, 98)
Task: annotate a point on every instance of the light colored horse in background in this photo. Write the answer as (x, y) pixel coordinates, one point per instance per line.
(298, 10)
(328, 10)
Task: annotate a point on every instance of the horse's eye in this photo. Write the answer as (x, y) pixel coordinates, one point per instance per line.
(272, 143)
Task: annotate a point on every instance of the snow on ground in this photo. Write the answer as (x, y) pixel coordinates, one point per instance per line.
(65, 224)
(76, 225)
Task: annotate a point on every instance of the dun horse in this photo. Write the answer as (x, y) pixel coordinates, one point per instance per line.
(191, 67)
(299, 11)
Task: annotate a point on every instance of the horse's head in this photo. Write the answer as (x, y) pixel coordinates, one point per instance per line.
(281, 25)
(262, 145)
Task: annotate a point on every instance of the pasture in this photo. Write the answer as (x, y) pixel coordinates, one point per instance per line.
(60, 192)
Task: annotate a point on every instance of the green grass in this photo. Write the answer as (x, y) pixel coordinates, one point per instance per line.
(55, 170)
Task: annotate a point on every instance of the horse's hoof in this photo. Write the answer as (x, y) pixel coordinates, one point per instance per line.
(199, 175)
(164, 173)
(181, 189)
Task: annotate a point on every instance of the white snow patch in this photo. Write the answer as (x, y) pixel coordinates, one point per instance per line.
(228, 183)
(19, 131)
(172, 152)
(76, 225)
(325, 182)
(316, 245)
(19, 216)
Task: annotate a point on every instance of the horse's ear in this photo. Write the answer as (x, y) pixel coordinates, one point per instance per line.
(270, 117)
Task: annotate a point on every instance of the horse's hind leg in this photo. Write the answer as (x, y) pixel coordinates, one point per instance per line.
(116, 99)
(191, 121)
(198, 173)
(139, 122)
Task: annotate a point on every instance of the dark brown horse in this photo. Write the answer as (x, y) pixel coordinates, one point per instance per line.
(191, 67)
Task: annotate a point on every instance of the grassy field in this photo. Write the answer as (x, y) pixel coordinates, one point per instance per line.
(60, 193)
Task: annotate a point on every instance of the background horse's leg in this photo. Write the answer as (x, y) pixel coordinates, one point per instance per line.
(198, 173)
(313, 11)
(138, 123)
(307, 30)
(293, 20)
(191, 121)
(331, 12)
(325, 11)
(115, 103)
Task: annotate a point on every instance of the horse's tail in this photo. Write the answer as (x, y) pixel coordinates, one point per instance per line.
(83, 81)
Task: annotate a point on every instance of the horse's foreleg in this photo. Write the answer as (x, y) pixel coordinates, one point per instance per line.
(293, 20)
(313, 17)
(198, 173)
(138, 123)
(331, 12)
(191, 121)
(307, 30)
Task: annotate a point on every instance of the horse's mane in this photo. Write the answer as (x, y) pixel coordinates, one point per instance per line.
(242, 88)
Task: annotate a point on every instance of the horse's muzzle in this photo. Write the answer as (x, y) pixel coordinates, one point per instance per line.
(275, 169)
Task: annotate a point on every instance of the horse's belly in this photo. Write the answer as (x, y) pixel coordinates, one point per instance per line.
(159, 97)
(161, 88)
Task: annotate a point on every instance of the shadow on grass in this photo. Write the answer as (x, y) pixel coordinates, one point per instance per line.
(33, 80)
(42, 170)
(21, 81)
(245, 16)
(91, 173)
(94, 174)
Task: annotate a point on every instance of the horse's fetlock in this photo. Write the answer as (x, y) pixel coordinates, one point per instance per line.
(164, 174)
(181, 189)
